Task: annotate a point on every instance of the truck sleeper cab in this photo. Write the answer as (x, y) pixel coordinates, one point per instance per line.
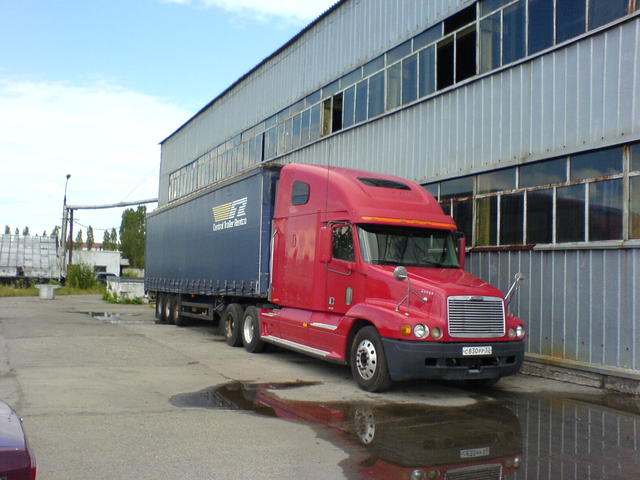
(363, 271)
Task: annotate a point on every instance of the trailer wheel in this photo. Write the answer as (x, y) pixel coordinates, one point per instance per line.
(251, 331)
(368, 362)
(167, 308)
(176, 312)
(161, 300)
(158, 307)
(232, 322)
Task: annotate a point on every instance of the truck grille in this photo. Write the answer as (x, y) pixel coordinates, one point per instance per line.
(472, 317)
(477, 472)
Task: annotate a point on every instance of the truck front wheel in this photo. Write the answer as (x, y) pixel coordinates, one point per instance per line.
(233, 324)
(251, 331)
(368, 362)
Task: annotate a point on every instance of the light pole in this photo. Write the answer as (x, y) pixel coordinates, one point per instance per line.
(63, 232)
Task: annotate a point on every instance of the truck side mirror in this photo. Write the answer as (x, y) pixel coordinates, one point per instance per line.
(325, 244)
(462, 248)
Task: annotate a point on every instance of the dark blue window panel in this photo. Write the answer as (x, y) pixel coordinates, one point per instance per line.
(373, 66)
(596, 164)
(409, 79)
(427, 71)
(570, 207)
(398, 52)
(570, 19)
(540, 25)
(362, 94)
(540, 216)
(602, 12)
(428, 36)
(488, 6)
(543, 173)
(490, 29)
(376, 95)
(349, 107)
(513, 33)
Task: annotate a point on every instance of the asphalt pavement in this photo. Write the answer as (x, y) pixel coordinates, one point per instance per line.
(106, 393)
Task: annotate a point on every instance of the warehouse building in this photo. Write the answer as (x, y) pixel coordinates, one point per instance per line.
(521, 117)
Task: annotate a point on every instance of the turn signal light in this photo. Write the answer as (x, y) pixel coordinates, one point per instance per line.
(405, 330)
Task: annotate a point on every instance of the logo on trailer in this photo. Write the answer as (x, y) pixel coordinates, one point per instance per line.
(230, 215)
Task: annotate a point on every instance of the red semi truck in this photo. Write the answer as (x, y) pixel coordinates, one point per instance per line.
(353, 267)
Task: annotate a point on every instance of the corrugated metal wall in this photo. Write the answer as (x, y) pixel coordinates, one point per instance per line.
(582, 96)
(357, 31)
(581, 305)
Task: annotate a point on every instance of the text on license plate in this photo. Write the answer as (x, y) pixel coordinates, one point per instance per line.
(472, 351)
(475, 452)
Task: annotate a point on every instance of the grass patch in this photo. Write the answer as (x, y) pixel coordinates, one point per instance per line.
(6, 291)
(113, 298)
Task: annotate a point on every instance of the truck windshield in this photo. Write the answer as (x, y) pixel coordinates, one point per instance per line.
(407, 246)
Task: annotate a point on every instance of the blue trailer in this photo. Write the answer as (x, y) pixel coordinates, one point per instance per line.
(212, 248)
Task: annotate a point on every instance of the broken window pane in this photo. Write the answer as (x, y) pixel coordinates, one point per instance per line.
(570, 214)
(513, 33)
(605, 210)
(427, 71)
(486, 221)
(540, 25)
(445, 63)
(511, 219)
(393, 86)
(409, 79)
(490, 43)
(376, 95)
(602, 12)
(543, 173)
(570, 19)
(596, 164)
(540, 216)
(465, 54)
(336, 113)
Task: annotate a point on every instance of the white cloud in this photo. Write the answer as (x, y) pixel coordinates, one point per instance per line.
(105, 136)
(295, 10)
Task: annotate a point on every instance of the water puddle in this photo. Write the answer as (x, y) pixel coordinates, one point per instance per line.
(389, 440)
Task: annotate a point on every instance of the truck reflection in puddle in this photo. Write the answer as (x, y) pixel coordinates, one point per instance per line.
(408, 441)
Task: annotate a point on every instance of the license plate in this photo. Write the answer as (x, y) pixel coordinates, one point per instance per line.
(475, 351)
(475, 452)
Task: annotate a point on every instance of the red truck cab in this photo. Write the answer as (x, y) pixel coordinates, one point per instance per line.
(367, 271)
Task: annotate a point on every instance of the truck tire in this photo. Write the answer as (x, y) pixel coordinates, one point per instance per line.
(158, 307)
(232, 324)
(161, 299)
(176, 317)
(251, 331)
(167, 308)
(368, 362)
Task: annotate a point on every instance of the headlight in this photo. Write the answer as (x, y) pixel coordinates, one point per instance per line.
(421, 331)
(520, 331)
(512, 333)
(436, 333)
(417, 475)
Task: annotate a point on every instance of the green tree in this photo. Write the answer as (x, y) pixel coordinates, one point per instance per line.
(106, 240)
(7, 230)
(79, 241)
(114, 240)
(89, 237)
(133, 234)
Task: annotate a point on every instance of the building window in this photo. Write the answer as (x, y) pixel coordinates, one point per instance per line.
(605, 210)
(409, 79)
(634, 208)
(362, 91)
(540, 25)
(635, 157)
(376, 95)
(445, 63)
(349, 107)
(602, 12)
(570, 207)
(486, 223)
(596, 164)
(497, 181)
(570, 19)
(513, 32)
(427, 71)
(511, 219)
(543, 173)
(540, 216)
(490, 43)
(394, 74)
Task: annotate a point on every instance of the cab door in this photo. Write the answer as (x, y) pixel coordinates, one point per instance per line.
(342, 276)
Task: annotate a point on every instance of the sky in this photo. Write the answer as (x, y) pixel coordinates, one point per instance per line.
(90, 88)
